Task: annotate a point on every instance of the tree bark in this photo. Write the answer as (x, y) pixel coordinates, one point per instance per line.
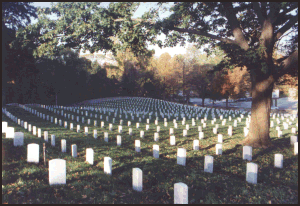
(203, 102)
(258, 136)
(226, 102)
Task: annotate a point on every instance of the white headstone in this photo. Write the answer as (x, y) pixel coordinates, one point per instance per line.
(34, 130)
(137, 179)
(246, 131)
(247, 153)
(230, 131)
(119, 140)
(78, 128)
(172, 140)
(33, 153)
(279, 133)
(156, 151)
(181, 156)
(251, 174)
(293, 139)
(106, 136)
(63, 145)
(39, 132)
(10, 132)
(74, 150)
(208, 163)
(278, 160)
(90, 156)
(95, 133)
(137, 145)
(180, 193)
(156, 136)
(218, 149)
(175, 125)
(184, 133)
(220, 138)
(57, 172)
(142, 134)
(86, 130)
(296, 148)
(199, 129)
(53, 140)
(201, 135)
(4, 127)
(120, 129)
(108, 165)
(196, 145)
(158, 128)
(19, 139)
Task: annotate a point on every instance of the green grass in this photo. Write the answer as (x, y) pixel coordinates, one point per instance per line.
(24, 182)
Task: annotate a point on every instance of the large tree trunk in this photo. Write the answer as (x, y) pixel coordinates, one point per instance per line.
(203, 102)
(258, 136)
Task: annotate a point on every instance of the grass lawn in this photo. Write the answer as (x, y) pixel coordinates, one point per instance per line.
(24, 182)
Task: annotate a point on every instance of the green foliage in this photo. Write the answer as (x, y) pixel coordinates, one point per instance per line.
(16, 15)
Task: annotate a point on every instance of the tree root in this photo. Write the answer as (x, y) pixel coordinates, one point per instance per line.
(256, 144)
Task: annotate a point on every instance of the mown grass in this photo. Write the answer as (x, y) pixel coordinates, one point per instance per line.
(24, 182)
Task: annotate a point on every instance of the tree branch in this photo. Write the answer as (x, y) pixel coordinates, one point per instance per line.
(274, 11)
(287, 63)
(286, 27)
(264, 9)
(280, 15)
(236, 30)
(257, 10)
(225, 40)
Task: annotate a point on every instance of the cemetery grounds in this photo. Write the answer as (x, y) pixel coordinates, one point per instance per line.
(24, 182)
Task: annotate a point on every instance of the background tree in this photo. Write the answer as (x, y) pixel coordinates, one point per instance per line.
(222, 85)
(164, 71)
(240, 80)
(202, 81)
(16, 15)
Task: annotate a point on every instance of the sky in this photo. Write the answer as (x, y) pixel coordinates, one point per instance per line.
(139, 12)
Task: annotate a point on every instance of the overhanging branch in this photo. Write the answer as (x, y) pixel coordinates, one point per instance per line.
(287, 63)
(236, 29)
(225, 40)
(257, 10)
(286, 27)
